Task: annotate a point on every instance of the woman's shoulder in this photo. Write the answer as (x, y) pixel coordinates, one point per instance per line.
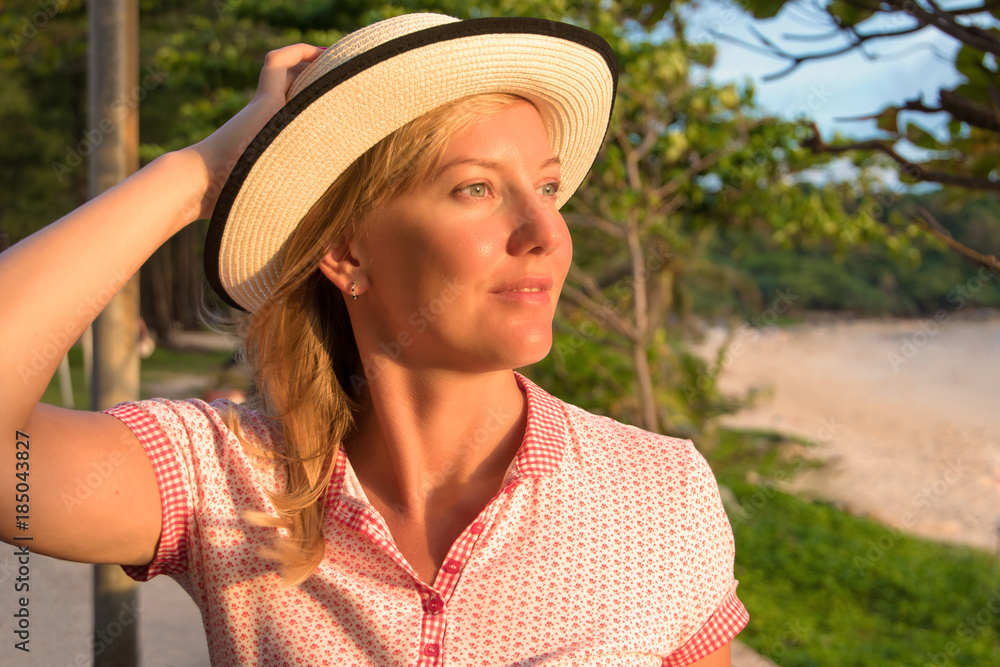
(647, 472)
(594, 439)
(554, 414)
(205, 446)
(202, 423)
(627, 444)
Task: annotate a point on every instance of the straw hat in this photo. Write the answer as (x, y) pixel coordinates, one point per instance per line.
(371, 83)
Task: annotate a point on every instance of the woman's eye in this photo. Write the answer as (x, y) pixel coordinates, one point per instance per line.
(476, 190)
(549, 189)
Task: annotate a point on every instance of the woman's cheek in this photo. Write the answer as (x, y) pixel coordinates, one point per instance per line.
(486, 248)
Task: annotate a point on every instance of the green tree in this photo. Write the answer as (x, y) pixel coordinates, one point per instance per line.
(965, 153)
(42, 111)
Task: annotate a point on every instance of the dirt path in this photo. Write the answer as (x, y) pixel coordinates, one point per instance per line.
(907, 413)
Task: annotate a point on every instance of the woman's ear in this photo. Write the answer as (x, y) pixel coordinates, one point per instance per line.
(343, 269)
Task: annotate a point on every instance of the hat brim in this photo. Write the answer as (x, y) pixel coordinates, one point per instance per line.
(568, 73)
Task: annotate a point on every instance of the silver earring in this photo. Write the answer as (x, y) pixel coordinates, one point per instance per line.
(354, 287)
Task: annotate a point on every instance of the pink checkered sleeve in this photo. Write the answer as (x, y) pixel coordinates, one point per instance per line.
(171, 551)
(729, 618)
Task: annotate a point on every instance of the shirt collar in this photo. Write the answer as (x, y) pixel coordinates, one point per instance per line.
(541, 450)
(540, 453)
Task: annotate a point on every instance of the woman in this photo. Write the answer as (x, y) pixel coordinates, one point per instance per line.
(401, 496)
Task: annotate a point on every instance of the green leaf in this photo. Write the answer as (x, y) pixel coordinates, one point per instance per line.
(847, 13)
(764, 9)
(918, 136)
(969, 62)
(985, 165)
(887, 120)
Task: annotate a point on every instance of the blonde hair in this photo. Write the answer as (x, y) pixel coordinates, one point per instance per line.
(300, 346)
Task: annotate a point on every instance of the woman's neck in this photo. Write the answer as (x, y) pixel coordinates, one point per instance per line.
(432, 439)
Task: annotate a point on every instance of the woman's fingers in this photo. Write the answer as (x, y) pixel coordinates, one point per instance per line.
(223, 147)
(282, 66)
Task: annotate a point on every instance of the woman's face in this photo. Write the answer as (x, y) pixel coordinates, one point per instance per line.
(464, 271)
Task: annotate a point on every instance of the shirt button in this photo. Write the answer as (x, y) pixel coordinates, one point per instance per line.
(478, 527)
(451, 567)
(434, 606)
(432, 650)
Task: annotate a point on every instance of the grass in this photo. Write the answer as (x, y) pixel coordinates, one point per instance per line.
(826, 588)
(739, 453)
(160, 365)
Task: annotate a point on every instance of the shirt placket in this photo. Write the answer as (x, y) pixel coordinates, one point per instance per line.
(432, 602)
(432, 626)
(435, 599)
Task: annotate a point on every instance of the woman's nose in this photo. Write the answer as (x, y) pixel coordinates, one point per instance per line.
(538, 228)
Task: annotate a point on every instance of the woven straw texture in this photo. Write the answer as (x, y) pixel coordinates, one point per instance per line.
(569, 83)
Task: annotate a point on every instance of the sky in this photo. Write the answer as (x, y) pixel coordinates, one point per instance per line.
(830, 89)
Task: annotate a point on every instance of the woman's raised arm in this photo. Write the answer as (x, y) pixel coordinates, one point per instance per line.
(54, 283)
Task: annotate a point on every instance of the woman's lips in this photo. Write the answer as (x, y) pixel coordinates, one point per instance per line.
(532, 290)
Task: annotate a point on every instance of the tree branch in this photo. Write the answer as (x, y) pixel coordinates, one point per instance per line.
(631, 171)
(609, 316)
(930, 224)
(661, 296)
(634, 154)
(640, 306)
(772, 49)
(979, 9)
(957, 106)
(945, 21)
(739, 42)
(665, 209)
(974, 114)
(821, 37)
(911, 169)
(597, 222)
(590, 286)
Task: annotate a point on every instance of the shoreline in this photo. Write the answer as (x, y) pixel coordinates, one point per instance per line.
(905, 414)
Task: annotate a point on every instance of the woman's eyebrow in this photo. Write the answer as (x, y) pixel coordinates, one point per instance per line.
(551, 162)
(489, 164)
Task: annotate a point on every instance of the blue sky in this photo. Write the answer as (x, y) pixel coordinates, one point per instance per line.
(828, 89)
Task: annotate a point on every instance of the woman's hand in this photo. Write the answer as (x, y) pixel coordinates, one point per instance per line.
(220, 150)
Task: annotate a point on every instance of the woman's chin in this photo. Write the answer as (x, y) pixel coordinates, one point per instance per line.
(490, 348)
(506, 356)
(533, 348)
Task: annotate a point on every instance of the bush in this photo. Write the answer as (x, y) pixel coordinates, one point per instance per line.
(827, 588)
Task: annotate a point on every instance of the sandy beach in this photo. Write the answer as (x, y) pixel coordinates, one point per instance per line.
(906, 414)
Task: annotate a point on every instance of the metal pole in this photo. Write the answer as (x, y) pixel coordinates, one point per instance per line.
(113, 137)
